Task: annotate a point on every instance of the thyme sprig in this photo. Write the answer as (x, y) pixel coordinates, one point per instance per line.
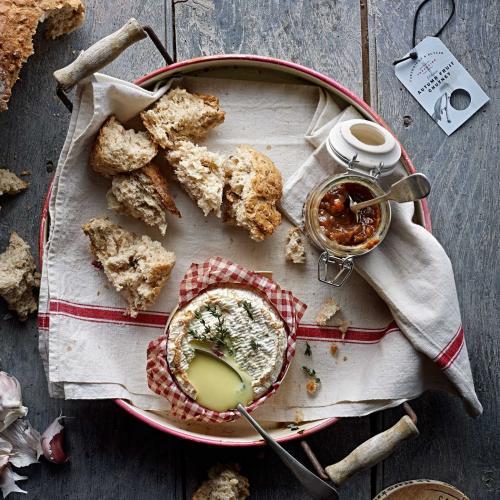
(307, 352)
(248, 308)
(199, 317)
(213, 311)
(311, 373)
(254, 345)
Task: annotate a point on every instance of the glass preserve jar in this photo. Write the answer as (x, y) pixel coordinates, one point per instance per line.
(366, 151)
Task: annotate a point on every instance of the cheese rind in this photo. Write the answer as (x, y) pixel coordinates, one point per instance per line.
(258, 342)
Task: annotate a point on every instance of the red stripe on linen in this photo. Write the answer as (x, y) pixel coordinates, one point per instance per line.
(43, 321)
(446, 357)
(352, 335)
(107, 315)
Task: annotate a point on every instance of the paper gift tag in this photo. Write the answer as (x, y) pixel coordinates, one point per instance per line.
(433, 77)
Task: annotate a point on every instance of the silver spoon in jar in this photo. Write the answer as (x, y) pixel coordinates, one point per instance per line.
(411, 188)
(316, 487)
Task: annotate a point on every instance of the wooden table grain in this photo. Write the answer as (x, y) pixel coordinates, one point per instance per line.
(114, 456)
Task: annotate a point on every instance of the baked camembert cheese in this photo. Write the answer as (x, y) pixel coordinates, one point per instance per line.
(243, 331)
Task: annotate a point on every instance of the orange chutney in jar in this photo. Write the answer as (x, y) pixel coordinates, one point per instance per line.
(339, 223)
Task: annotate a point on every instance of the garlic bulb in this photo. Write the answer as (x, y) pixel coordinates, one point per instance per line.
(11, 406)
(8, 480)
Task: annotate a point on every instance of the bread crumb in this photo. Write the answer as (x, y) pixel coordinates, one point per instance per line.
(311, 386)
(334, 350)
(24, 173)
(299, 417)
(343, 327)
(295, 251)
(10, 183)
(18, 277)
(224, 483)
(328, 309)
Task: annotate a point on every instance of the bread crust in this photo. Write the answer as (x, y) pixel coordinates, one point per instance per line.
(18, 24)
(254, 207)
(161, 186)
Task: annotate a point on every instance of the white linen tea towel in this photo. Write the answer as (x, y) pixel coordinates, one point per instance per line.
(92, 350)
(410, 270)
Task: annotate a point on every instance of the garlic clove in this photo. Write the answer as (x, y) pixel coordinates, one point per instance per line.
(10, 392)
(11, 406)
(8, 480)
(5, 452)
(25, 441)
(52, 443)
(7, 417)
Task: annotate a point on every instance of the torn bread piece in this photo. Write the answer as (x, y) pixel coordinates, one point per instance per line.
(137, 266)
(18, 25)
(10, 183)
(181, 115)
(327, 311)
(224, 483)
(117, 150)
(143, 194)
(295, 250)
(254, 187)
(201, 174)
(18, 277)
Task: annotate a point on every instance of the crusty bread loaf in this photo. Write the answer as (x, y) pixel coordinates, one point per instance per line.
(18, 277)
(295, 251)
(117, 150)
(180, 115)
(137, 266)
(201, 173)
(10, 183)
(143, 194)
(254, 187)
(224, 483)
(18, 23)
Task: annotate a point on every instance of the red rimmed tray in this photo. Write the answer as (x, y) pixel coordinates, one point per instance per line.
(238, 433)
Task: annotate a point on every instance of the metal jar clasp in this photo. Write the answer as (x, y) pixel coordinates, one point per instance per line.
(334, 270)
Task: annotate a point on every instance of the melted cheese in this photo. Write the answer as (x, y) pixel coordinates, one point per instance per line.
(255, 341)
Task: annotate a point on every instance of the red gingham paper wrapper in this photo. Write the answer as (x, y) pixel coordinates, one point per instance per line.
(217, 271)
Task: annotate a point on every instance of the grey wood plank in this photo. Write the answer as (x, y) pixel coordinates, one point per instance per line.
(113, 456)
(464, 205)
(323, 35)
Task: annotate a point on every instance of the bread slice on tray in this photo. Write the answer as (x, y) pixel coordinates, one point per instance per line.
(143, 194)
(254, 187)
(10, 183)
(117, 150)
(18, 24)
(137, 266)
(201, 174)
(181, 115)
(18, 277)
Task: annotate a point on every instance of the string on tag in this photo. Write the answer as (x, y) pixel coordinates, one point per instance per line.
(413, 54)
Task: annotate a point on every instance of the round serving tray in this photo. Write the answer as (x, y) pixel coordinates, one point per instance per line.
(247, 67)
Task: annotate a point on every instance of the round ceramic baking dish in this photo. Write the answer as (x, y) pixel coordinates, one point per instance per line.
(243, 66)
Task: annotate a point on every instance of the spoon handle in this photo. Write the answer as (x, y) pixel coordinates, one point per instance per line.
(356, 207)
(316, 487)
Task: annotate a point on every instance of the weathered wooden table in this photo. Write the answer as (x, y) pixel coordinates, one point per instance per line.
(354, 41)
